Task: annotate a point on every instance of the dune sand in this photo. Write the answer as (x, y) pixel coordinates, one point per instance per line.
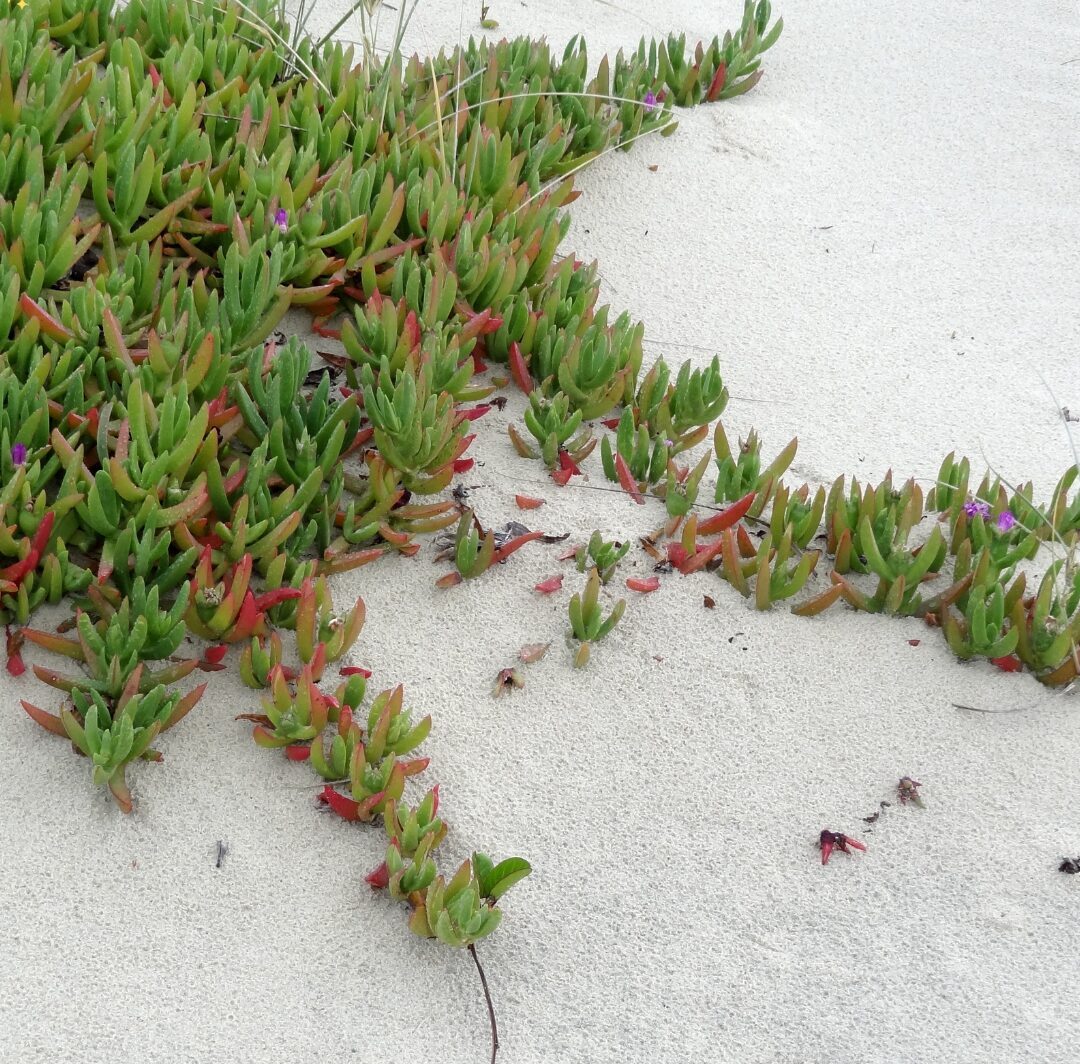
(881, 243)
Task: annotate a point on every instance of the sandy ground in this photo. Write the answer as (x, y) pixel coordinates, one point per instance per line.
(881, 242)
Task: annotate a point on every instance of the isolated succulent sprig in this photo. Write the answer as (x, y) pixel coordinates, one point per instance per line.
(587, 621)
(602, 555)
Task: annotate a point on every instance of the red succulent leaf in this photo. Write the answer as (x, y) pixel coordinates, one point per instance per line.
(269, 599)
(519, 370)
(552, 583)
(40, 538)
(566, 462)
(650, 583)
(677, 555)
(727, 518)
(49, 325)
(49, 721)
(15, 664)
(1008, 663)
(527, 502)
(515, 544)
(463, 465)
(298, 752)
(345, 807)
(379, 879)
(626, 479)
(474, 413)
(717, 83)
(701, 557)
(354, 670)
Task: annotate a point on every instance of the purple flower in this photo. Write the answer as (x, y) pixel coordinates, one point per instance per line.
(18, 454)
(650, 101)
(281, 219)
(1006, 520)
(980, 509)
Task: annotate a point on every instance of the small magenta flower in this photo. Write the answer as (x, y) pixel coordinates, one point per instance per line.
(650, 101)
(980, 509)
(18, 454)
(1006, 520)
(281, 219)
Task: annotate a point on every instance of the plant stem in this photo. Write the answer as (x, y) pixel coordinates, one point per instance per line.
(490, 1006)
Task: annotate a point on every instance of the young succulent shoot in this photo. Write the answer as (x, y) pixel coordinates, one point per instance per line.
(321, 636)
(291, 716)
(462, 911)
(416, 428)
(741, 473)
(113, 649)
(475, 550)
(776, 578)
(680, 490)
(797, 511)
(227, 610)
(258, 660)
(555, 428)
(333, 763)
(682, 417)
(375, 773)
(1048, 627)
(644, 458)
(984, 629)
(602, 555)
(900, 571)
(587, 621)
(413, 833)
(115, 733)
(950, 490)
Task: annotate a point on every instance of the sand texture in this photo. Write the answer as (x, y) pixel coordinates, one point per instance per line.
(882, 243)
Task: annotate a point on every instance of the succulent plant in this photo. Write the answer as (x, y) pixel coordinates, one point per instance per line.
(114, 649)
(775, 577)
(646, 460)
(738, 475)
(984, 629)
(555, 428)
(601, 555)
(680, 488)
(113, 734)
(587, 621)
(1047, 626)
(463, 911)
(475, 550)
(415, 429)
(181, 469)
(291, 716)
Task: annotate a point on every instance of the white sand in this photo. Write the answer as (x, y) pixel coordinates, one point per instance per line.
(678, 909)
